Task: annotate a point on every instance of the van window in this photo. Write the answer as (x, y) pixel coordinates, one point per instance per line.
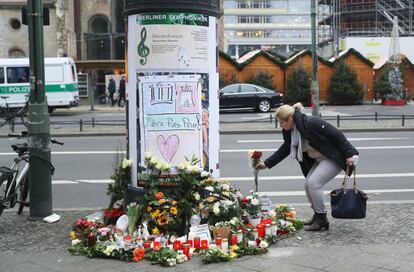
(17, 74)
(73, 73)
(1, 75)
(53, 73)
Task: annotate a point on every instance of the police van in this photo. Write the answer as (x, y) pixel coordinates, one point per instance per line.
(61, 82)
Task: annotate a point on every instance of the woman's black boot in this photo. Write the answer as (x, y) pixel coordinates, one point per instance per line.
(310, 221)
(320, 223)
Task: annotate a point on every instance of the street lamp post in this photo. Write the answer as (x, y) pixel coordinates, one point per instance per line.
(39, 125)
(315, 85)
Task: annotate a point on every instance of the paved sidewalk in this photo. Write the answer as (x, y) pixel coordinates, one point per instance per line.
(384, 241)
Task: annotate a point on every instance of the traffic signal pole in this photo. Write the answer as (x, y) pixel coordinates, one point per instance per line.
(315, 84)
(38, 119)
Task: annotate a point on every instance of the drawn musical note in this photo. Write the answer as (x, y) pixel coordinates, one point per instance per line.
(143, 50)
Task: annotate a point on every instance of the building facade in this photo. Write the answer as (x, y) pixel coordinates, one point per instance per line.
(282, 26)
(91, 32)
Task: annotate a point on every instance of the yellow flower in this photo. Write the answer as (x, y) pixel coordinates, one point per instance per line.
(155, 231)
(72, 235)
(233, 255)
(234, 248)
(173, 210)
(174, 202)
(149, 209)
(163, 221)
(162, 201)
(155, 214)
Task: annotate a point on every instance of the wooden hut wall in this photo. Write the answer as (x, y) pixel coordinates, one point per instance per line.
(227, 70)
(364, 74)
(265, 64)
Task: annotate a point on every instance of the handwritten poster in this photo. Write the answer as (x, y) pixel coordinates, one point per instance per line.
(171, 117)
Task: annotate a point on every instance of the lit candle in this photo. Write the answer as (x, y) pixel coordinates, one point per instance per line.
(177, 245)
(261, 230)
(190, 242)
(268, 230)
(225, 245)
(218, 241)
(274, 228)
(239, 236)
(233, 240)
(147, 245)
(197, 242)
(186, 250)
(156, 245)
(204, 244)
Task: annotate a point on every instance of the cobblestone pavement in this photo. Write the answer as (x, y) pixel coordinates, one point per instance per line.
(385, 238)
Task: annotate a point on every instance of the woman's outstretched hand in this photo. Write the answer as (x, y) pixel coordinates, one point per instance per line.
(261, 165)
(352, 161)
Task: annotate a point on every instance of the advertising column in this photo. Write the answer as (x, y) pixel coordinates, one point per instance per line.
(173, 86)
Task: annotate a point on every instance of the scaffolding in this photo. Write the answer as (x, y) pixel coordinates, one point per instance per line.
(366, 18)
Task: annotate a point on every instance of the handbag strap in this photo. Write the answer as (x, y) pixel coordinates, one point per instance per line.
(344, 182)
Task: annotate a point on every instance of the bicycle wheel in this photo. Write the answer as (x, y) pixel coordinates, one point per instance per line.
(3, 116)
(24, 191)
(23, 116)
(3, 183)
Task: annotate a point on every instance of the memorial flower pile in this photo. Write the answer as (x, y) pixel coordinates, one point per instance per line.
(158, 228)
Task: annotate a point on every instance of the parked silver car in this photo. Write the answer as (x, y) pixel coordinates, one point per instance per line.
(249, 96)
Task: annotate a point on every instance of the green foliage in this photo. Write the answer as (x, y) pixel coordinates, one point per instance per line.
(164, 256)
(262, 78)
(214, 256)
(298, 87)
(121, 177)
(244, 249)
(382, 85)
(344, 88)
(226, 79)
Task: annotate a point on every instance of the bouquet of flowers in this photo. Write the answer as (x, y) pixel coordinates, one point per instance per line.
(251, 205)
(255, 156)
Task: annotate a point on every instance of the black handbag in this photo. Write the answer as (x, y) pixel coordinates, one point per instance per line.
(348, 203)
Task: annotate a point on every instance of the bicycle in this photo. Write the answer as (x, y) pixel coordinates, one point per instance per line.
(8, 115)
(14, 184)
(105, 100)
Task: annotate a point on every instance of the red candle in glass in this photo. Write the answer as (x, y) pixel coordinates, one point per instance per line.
(156, 245)
(177, 245)
(261, 230)
(147, 245)
(197, 244)
(190, 242)
(186, 250)
(204, 244)
(218, 241)
(233, 239)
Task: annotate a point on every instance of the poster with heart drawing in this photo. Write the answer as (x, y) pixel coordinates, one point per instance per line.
(171, 122)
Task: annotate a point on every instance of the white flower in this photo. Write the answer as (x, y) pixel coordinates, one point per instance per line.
(255, 201)
(171, 261)
(147, 155)
(216, 210)
(126, 163)
(158, 166)
(225, 187)
(166, 166)
(194, 169)
(153, 161)
(209, 188)
(181, 258)
(196, 196)
(75, 242)
(108, 250)
(205, 174)
(263, 244)
(273, 214)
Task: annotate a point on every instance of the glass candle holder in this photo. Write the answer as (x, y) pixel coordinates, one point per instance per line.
(204, 244)
(177, 245)
(197, 243)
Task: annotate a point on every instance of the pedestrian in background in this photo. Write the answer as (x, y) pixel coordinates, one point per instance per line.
(121, 91)
(321, 150)
(111, 90)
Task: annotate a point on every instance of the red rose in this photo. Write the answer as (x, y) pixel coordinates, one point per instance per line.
(257, 154)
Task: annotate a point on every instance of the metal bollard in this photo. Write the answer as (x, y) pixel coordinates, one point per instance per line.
(376, 116)
(93, 121)
(80, 125)
(12, 125)
(338, 117)
(403, 119)
(271, 121)
(276, 123)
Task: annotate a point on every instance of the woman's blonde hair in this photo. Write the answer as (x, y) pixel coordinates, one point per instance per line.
(286, 111)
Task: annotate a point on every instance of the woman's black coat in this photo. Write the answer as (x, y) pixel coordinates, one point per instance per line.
(322, 136)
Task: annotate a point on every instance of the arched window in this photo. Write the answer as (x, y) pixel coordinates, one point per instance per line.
(16, 53)
(99, 38)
